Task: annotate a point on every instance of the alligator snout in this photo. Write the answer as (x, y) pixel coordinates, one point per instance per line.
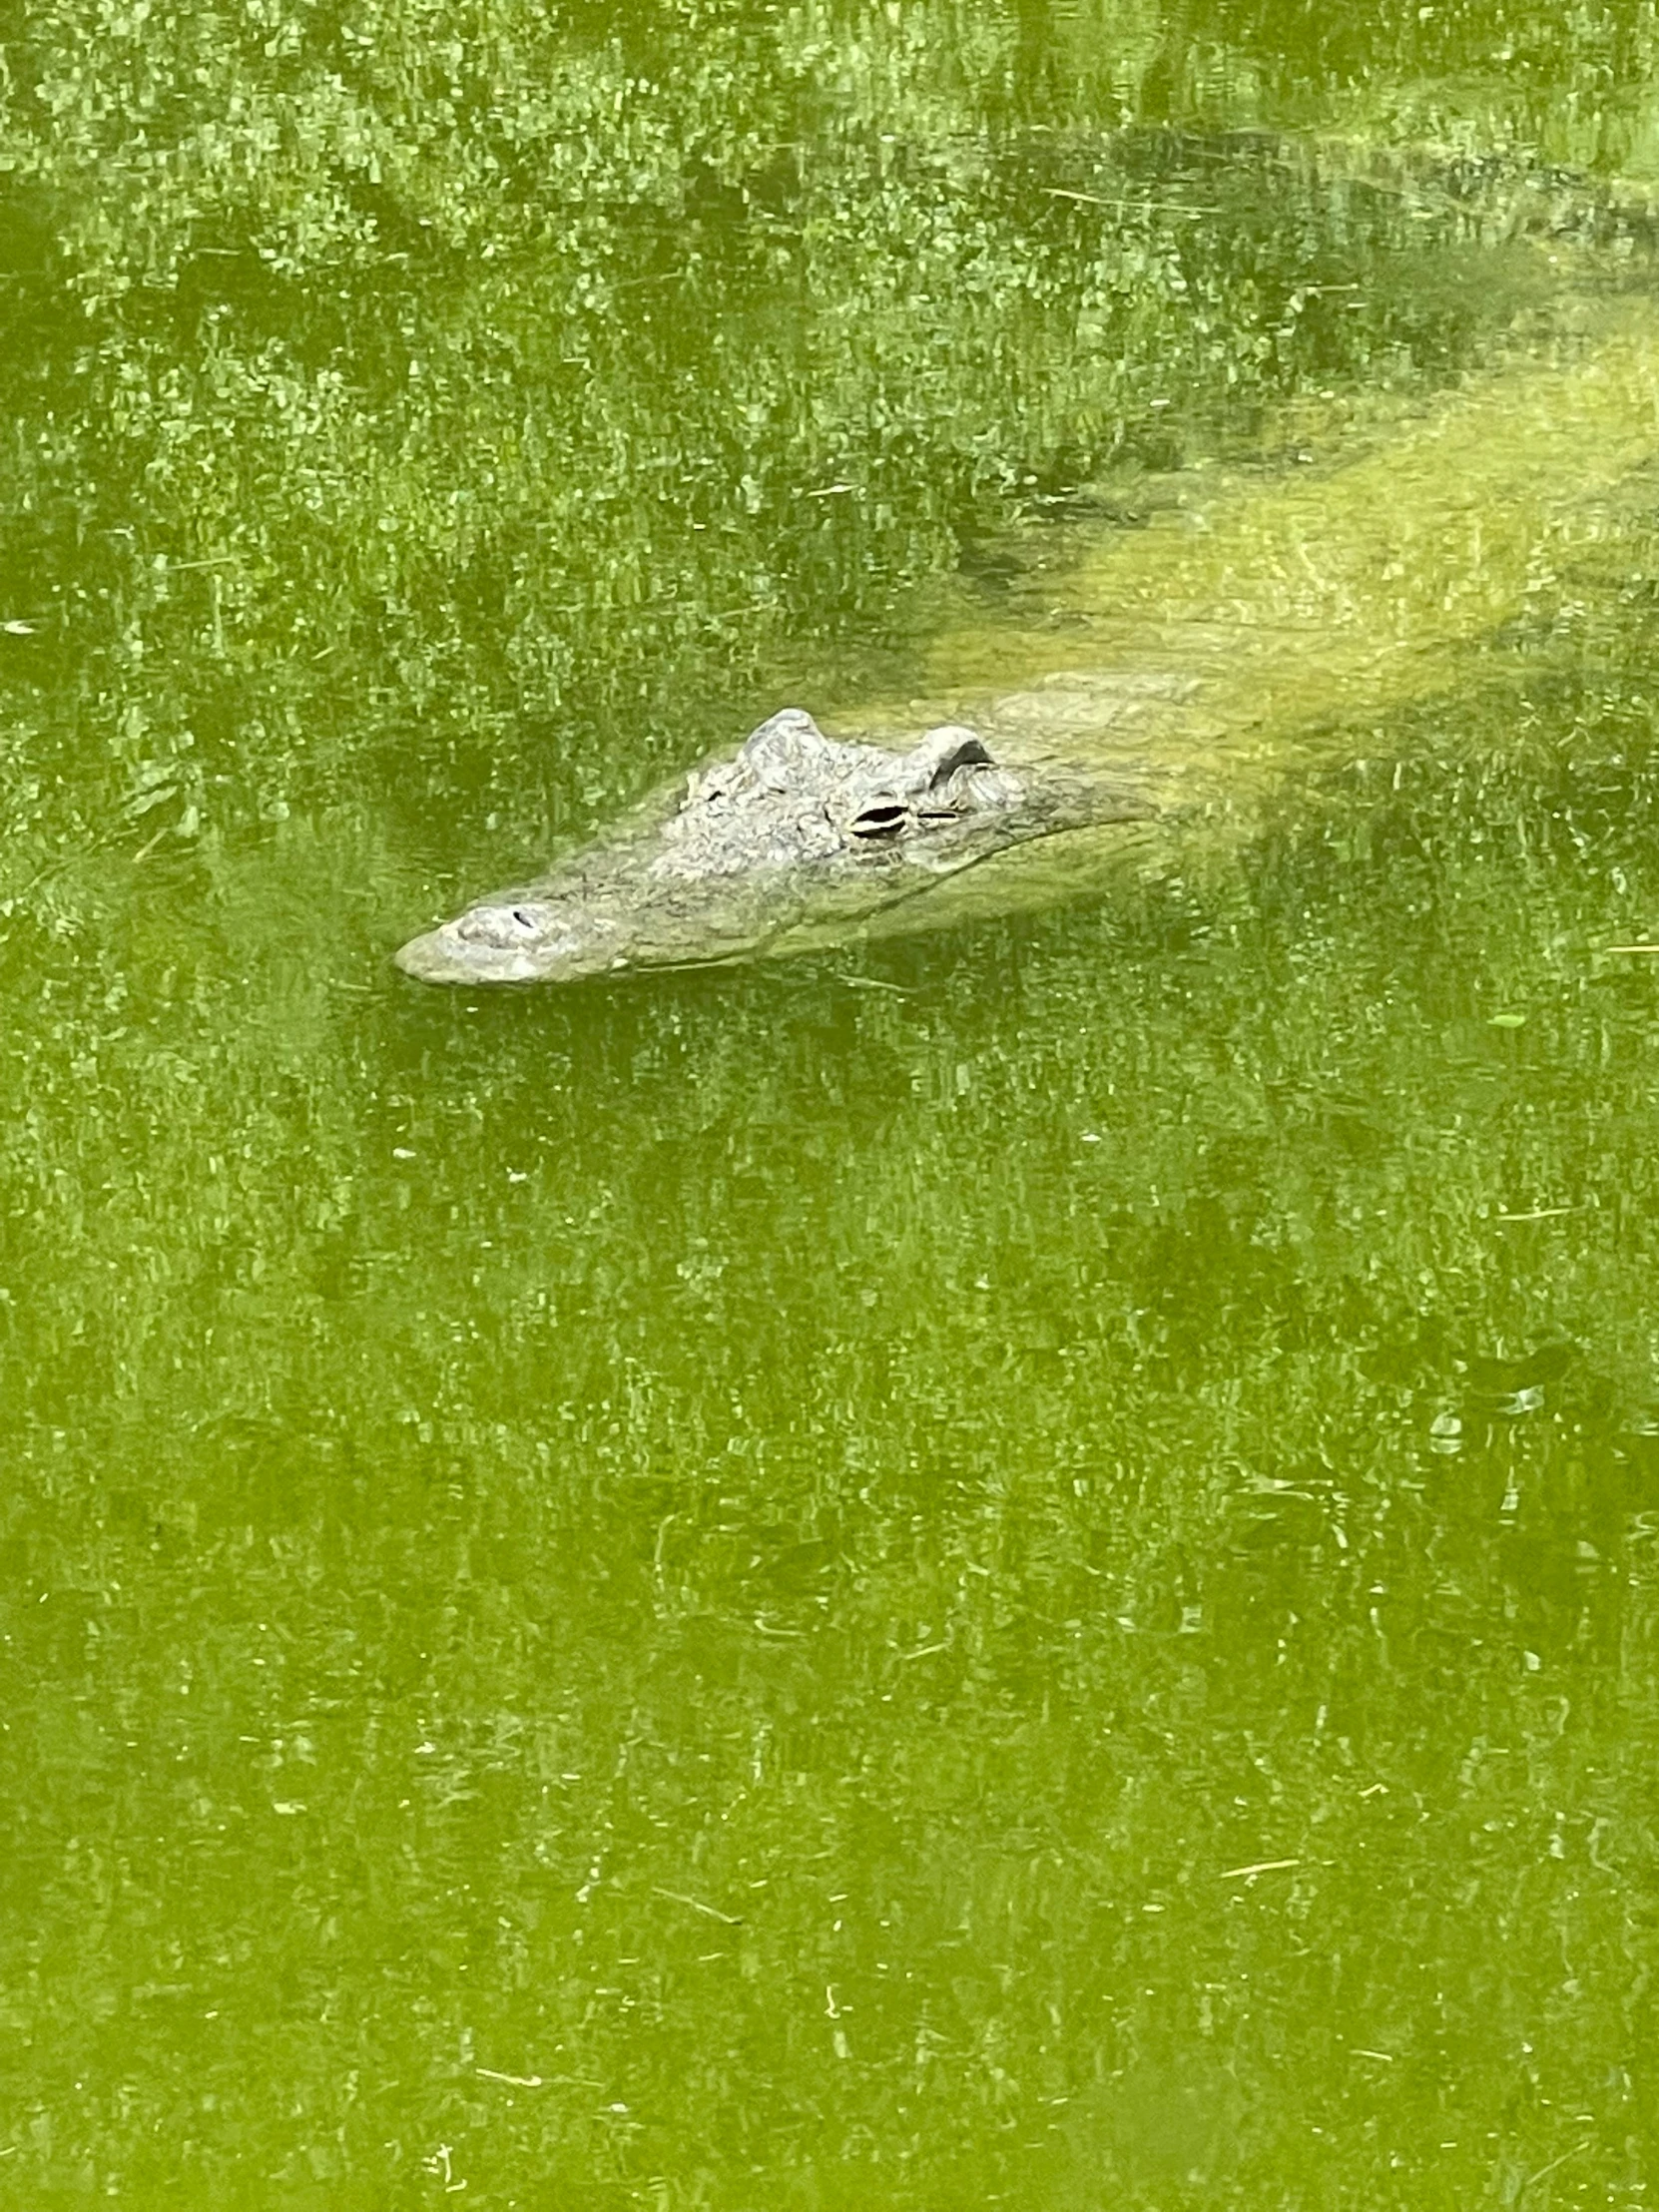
(503, 927)
(509, 941)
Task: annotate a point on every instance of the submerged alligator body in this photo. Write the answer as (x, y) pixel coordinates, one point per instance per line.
(797, 829)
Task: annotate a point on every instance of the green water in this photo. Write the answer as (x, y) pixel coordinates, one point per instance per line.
(1013, 1566)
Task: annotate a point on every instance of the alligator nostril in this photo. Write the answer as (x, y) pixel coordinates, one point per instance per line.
(498, 925)
(882, 820)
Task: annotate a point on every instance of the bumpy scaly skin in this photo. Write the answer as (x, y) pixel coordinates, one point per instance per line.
(798, 829)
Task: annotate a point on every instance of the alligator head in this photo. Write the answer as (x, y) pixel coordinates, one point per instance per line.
(795, 828)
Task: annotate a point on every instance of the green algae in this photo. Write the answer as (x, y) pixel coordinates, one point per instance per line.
(1014, 1568)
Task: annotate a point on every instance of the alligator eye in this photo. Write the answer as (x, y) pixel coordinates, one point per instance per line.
(523, 918)
(883, 819)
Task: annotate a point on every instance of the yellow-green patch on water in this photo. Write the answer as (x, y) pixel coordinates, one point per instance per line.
(1259, 621)
(1344, 586)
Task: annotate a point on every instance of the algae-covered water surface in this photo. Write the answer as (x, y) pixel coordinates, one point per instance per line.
(1011, 1564)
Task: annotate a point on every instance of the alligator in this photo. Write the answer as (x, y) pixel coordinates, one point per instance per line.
(1301, 606)
(795, 829)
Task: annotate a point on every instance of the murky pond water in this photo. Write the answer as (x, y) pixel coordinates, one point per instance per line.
(1009, 1565)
